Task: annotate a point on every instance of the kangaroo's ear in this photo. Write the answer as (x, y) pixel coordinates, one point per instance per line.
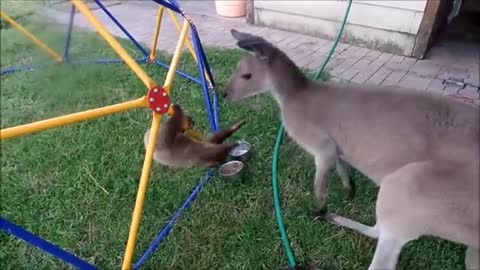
(258, 45)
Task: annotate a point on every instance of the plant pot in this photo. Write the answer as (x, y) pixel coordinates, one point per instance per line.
(231, 8)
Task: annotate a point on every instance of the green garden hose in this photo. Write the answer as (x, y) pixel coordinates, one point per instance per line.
(276, 153)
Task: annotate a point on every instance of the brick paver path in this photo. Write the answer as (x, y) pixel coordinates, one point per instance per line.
(450, 68)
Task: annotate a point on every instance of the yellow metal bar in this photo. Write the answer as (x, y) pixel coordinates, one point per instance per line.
(71, 118)
(142, 188)
(30, 36)
(179, 29)
(188, 41)
(80, 5)
(176, 57)
(157, 33)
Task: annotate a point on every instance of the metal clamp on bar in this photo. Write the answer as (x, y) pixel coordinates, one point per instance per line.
(158, 100)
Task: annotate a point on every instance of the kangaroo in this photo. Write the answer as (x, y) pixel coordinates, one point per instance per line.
(173, 148)
(421, 149)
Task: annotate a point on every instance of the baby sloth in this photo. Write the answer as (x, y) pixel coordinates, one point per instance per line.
(175, 149)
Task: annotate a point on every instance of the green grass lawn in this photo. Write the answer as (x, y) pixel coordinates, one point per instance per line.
(50, 181)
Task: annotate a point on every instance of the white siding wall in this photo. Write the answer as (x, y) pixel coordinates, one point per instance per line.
(386, 25)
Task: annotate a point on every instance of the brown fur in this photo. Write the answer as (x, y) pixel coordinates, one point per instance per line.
(421, 149)
(173, 148)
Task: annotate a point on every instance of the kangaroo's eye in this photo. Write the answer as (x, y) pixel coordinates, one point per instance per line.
(247, 76)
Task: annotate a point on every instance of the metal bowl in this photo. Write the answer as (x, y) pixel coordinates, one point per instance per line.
(231, 170)
(241, 152)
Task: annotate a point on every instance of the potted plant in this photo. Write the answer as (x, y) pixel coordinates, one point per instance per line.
(231, 8)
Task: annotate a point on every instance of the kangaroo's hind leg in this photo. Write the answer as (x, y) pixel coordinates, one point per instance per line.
(423, 198)
(395, 225)
(389, 244)
(222, 134)
(387, 251)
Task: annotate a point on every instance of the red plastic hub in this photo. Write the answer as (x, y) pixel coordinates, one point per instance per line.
(158, 100)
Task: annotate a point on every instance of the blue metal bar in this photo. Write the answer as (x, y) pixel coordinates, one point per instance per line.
(179, 72)
(215, 107)
(175, 3)
(107, 60)
(169, 4)
(205, 88)
(202, 54)
(139, 60)
(11, 70)
(206, 95)
(103, 61)
(66, 47)
(169, 226)
(204, 60)
(135, 42)
(46, 246)
(208, 104)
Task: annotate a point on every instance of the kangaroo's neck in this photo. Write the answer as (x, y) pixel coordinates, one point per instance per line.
(286, 78)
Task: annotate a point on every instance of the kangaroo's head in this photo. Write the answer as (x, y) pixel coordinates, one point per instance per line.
(252, 74)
